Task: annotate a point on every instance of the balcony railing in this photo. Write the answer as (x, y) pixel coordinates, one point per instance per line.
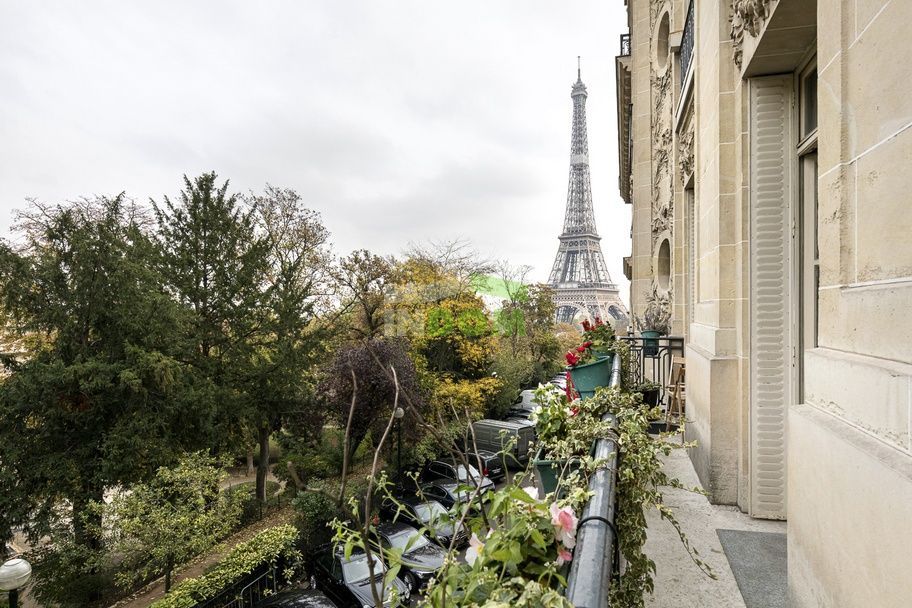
(625, 45)
(595, 559)
(687, 43)
(651, 359)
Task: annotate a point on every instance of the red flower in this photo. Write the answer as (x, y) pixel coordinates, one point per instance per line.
(586, 325)
(581, 349)
(598, 321)
(574, 411)
(587, 344)
(572, 358)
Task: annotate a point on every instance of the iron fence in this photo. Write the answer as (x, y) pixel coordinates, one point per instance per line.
(249, 591)
(651, 359)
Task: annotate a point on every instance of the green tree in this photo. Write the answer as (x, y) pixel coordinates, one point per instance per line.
(292, 335)
(176, 515)
(213, 262)
(363, 279)
(102, 401)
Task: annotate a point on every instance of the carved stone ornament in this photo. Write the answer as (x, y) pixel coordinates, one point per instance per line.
(747, 16)
(686, 154)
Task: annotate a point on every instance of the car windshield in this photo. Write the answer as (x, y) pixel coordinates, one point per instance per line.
(426, 511)
(356, 569)
(401, 539)
(463, 475)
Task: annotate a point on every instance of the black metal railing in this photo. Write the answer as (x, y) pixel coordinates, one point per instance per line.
(595, 558)
(651, 359)
(687, 43)
(249, 591)
(625, 45)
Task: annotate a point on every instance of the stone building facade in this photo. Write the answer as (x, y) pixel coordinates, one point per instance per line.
(765, 147)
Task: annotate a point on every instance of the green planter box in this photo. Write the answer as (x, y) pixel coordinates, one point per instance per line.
(650, 342)
(588, 377)
(549, 472)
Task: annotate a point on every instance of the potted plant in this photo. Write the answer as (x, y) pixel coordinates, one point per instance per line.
(656, 321)
(650, 392)
(600, 335)
(588, 370)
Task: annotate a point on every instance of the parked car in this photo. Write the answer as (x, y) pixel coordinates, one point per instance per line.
(421, 558)
(446, 492)
(451, 470)
(348, 582)
(492, 465)
(298, 598)
(428, 514)
(497, 435)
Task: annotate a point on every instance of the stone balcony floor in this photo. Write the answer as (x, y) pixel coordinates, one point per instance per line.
(680, 583)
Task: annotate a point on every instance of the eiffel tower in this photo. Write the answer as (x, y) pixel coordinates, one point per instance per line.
(579, 277)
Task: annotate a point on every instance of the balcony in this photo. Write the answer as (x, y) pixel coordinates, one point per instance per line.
(625, 45)
(687, 44)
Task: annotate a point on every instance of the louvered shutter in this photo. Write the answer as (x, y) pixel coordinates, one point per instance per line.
(771, 362)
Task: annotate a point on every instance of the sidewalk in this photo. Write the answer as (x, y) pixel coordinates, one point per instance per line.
(678, 581)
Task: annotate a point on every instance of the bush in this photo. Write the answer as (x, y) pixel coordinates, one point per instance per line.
(313, 512)
(273, 546)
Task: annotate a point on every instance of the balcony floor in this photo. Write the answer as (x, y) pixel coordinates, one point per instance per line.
(678, 581)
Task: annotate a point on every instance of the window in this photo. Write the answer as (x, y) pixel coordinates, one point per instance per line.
(808, 266)
(807, 101)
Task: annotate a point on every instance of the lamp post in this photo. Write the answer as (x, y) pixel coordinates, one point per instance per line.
(398, 414)
(14, 574)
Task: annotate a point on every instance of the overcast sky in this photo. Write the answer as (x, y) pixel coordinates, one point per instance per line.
(399, 121)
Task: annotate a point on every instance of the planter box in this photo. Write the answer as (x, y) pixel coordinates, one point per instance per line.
(588, 377)
(650, 342)
(549, 472)
(651, 398)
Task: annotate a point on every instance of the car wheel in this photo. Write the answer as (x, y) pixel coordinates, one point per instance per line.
(411, 581)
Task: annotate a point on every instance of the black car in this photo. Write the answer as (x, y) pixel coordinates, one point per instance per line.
(439, 470)
(348, 582)
(492, 465)
(298, 598)
(428, 514)
(421, 558)
(447, 493)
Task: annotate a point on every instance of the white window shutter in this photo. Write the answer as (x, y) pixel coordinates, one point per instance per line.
(770, 305)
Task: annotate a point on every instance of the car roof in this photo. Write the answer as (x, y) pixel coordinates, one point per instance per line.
(391, 528)
(299, 598)
(449, 486)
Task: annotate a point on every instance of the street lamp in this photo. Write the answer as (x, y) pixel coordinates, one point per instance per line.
(398, 414)
(14, 574)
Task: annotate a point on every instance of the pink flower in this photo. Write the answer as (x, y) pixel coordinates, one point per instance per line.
(563, 556)
(564, 522)
(474, 550)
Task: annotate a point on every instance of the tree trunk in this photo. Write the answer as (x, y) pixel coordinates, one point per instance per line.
(251, 469)
(169, 566)
(263, 466)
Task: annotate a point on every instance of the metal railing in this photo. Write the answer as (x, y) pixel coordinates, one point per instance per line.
(625, 45)
(687, 43)
(248, 592)
(651, 359)
(595, 558)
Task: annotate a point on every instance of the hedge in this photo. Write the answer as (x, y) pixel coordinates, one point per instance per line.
(266, 547)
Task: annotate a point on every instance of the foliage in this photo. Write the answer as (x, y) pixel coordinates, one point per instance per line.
(640, 479)
(455, 398)
(657, 316)
(106, 400)
(273, 546)
(370, 363)
(177, 514)
(599, 333)
(313, 513)
(363, 279)
(525, 547)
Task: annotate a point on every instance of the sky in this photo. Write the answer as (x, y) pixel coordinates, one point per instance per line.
(399, 121)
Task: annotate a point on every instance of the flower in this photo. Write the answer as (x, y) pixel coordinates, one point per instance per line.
(564, 521)
(574, 411)
(587, 345)
(563, 556)
(586, 325)
(572, 358)
(532, 491)
(474, 550)
(581, 349)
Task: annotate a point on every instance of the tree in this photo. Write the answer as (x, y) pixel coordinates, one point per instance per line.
(176, 515)
(370, 361)
(292, 336)
(363, 278)
(103, 401)
(213, 262)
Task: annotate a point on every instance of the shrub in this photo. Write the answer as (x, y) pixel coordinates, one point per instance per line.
(273, 546)
(313, 511)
